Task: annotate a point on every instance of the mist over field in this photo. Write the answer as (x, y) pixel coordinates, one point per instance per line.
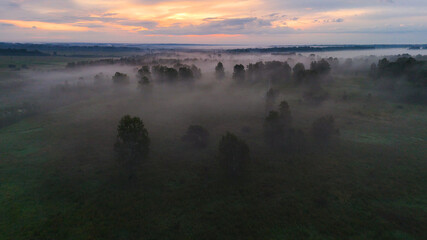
(214, 143)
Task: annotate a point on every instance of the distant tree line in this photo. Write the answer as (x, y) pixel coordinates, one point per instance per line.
(21, 52)
(276, 72)
(408, 68)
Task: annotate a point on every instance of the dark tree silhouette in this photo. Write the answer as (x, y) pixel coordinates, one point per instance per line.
(270, 100)
(239, 73)
(277, 72)
(99, 79)
(299, 73)
(165, 74)
(133, 143)
(197, 136)
(144, 81)
(287, 71)
(219, 71)
(274, 131)
(185, 74)
(121, 78)
(321, 68)
(255, 72)
(233, 155)
(144, 71)
(197, 73)
(285, 114)
(171, 74)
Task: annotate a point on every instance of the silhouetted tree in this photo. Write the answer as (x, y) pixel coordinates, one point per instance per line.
(144, 81)
(285, 114)
(197, 73)
(322, 67)
(144, 71)
(99, 79)
(133, 143)
(277, 72)
(255, 72)
(299, 73)
(121, 78)
(171, 74)
(239, 73)
(287, 71)
(233, 155)
(165, 74)
(274, 131)
(270, 100)
(185, 74)
(197, 136)
(219, 71)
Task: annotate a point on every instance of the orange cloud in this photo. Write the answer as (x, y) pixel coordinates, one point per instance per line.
(45, 25)
(182, 12)
(201, 35)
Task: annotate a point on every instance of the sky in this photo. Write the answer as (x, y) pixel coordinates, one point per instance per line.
(255, 22)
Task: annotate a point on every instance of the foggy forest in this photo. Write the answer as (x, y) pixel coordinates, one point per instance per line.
(213, 144)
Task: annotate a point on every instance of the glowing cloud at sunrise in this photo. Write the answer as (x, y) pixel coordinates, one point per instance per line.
(212, 21)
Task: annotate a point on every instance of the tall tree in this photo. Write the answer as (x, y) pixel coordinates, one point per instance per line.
(239, 73)
(285, 114)
(133, 143)
(270, 100)
(219, 71)
(274, 130)
(299, 73)
(233, 155)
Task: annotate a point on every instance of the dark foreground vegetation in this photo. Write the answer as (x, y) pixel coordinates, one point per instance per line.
(216, 146)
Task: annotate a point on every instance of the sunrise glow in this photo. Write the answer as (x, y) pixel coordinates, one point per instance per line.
(170, 20)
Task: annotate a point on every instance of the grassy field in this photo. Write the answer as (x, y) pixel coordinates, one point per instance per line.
(59, 178)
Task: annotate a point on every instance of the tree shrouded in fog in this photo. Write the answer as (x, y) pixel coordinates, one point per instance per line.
(165, 74)
(277, 72)
(321, 67)
(197, 72)
(185, 74)
(144, 75)
(299, 73)
(219, 71)
(121, 78)
(274, 129)
(285, 114)
(133, 143)
(274, 72)
(270, 100)
(239, 73)
(233, 155)
(197, 136)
